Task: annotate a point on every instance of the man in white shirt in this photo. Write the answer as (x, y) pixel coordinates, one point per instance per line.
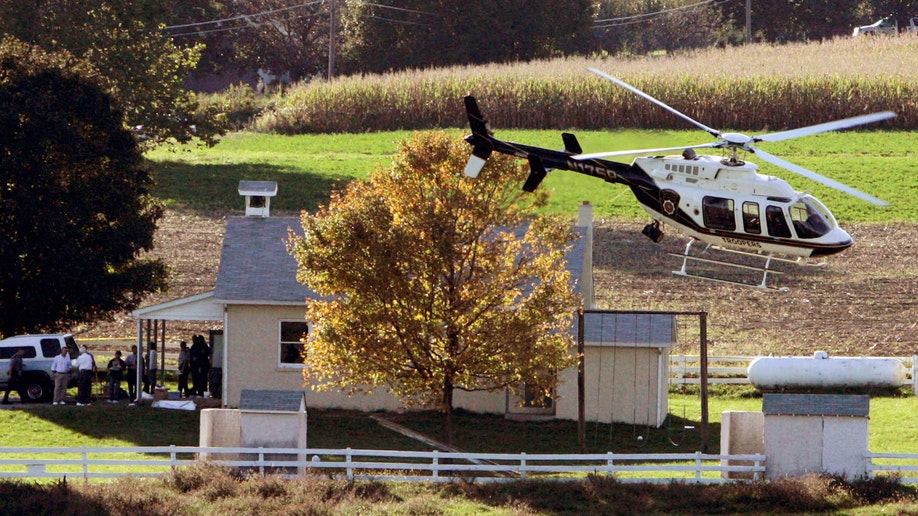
(86, 363)
(60, 368)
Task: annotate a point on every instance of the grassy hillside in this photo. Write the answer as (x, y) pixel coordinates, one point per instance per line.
(307, 167)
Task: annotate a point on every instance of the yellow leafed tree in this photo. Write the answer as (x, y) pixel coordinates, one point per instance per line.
(434, 282)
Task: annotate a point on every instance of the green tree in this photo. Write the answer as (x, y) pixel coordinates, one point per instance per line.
(139, 63)
(428, 288)
(388, 35)
(75, 205)
(643, 26)
(283, 40)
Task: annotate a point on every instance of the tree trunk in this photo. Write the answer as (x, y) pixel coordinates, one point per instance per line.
(448, 407)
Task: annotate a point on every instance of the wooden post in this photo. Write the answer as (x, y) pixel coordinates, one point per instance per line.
(581, 402)
(331, 39)
(703, 321)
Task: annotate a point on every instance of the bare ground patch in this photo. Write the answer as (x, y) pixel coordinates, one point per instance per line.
(862, 302)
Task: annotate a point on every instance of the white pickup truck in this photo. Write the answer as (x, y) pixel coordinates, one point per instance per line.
(887, 25)
(40, 350)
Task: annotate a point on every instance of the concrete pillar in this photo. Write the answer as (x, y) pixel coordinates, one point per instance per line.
(741, 433)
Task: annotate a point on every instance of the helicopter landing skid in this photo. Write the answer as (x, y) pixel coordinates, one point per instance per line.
(765, 270)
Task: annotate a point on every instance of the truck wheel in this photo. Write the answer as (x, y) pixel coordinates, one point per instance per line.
(36, 390)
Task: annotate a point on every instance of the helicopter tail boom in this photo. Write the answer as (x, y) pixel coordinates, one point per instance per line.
(481, 138)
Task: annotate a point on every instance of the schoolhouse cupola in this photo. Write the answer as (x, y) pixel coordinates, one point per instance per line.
(258, 196)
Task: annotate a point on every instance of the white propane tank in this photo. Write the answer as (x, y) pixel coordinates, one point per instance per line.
(822, 372)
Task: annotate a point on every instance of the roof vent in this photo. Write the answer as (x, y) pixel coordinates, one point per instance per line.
(258, 196)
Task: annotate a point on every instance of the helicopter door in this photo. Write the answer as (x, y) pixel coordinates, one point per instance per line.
(777, 224)
(752, 222)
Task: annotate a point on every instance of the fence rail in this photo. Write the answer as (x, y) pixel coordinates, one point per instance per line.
(430, 466)
(902, 465)
(686, 370)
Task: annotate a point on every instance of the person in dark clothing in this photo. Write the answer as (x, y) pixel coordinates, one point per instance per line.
(86, 364)
(200, 364)
(116, 368)
(132, 373)
(14, 379)
(184, 369)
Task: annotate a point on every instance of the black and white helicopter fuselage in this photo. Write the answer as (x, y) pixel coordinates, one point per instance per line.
(728, 203)
(722, 201)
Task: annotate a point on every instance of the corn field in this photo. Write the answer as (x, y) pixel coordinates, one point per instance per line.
(753, 88)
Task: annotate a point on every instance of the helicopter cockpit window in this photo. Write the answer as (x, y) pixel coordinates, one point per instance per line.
(777, 224)
(752, 222)
(718, 213)
(808, 220)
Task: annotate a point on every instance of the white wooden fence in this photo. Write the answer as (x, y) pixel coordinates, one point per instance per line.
(686, 370)
(430, 466)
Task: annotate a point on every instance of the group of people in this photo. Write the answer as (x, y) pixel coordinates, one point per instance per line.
(86, 368)
(194, 361)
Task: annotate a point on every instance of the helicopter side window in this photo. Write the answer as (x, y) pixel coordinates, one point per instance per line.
(752, 222)
(718, 213)
(808, 222)
(777, 224)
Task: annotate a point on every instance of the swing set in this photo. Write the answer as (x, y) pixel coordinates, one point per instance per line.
(623, 371)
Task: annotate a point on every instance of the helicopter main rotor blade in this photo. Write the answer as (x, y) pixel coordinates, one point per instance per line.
(636, 91)
(774, 160)
(582, 157)
(828, 126)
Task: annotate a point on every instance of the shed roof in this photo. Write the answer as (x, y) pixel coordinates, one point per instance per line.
(629, 330)
(272, 401)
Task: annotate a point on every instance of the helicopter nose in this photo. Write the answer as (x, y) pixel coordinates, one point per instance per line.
(834, 242)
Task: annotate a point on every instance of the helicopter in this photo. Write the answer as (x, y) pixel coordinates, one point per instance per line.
(722, 201)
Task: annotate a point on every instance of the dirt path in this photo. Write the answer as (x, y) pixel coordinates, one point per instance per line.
(862, 302)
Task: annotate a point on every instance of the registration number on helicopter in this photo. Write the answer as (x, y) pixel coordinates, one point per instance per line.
(742, 243)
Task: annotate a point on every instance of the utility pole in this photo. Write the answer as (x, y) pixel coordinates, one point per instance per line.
(748, 21)
(331, 39)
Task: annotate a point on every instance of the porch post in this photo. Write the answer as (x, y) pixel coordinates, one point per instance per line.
(139, 371)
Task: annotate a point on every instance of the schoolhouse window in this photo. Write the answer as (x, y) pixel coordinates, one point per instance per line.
(292, 345)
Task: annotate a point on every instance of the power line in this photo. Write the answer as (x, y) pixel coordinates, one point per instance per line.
(383, 18)
(245, 16)
(393, 8)
(645, 17)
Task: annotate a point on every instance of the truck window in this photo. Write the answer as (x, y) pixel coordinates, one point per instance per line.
(10, 351)
(50, 348)
(72, 346)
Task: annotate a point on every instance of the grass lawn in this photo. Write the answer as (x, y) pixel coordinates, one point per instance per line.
(891, 430)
